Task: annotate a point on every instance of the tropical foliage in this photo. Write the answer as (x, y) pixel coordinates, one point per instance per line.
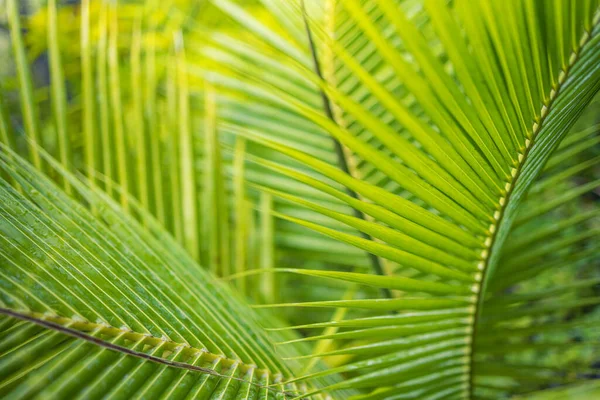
(366, 199)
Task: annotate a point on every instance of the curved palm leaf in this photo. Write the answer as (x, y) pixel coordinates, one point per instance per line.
(486, 155)
(82, 284)
(407, 164)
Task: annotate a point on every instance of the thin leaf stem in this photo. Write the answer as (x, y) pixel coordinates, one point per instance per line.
(70, 331)
(28, 106)
(339, 150)
(59, 99)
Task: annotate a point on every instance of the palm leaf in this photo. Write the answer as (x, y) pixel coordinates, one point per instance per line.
(420, 174)
(103, 283)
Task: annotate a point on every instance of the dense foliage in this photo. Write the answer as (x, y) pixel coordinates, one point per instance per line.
(366, 199)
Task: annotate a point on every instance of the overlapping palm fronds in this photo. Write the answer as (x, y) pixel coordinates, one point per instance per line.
(403, 194)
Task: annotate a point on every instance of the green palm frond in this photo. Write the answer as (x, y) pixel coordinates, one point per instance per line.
(367, 199)
(82, 284)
